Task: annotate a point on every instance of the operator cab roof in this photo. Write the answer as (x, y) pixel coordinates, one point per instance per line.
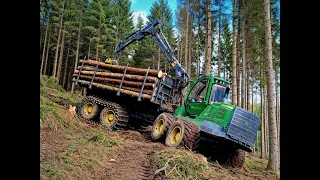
(216, 80)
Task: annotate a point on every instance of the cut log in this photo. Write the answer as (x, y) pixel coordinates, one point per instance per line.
(116, 81)
(124, 91)
(145, 91)
(92, 68)
(119, 76)
(152, 72)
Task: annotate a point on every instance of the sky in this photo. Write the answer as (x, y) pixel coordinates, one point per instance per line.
(142, 7)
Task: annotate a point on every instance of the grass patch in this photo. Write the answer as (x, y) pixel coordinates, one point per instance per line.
(49, 88)
(255, 164)
(104, 139)
(47, 169)
(181, 165)
(80, 151)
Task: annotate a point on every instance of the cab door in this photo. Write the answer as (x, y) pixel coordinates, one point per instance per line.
(197, 99)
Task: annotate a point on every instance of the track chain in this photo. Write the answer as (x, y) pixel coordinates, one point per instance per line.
(121, 113)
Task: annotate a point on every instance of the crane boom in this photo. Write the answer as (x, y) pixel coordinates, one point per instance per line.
(165, 47)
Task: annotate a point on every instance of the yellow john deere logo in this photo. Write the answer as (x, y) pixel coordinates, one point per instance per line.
(224, 105)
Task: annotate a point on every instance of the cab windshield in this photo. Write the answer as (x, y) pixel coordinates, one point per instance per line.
(218, 93)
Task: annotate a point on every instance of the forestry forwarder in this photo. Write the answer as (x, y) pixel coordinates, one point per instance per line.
(206, 122)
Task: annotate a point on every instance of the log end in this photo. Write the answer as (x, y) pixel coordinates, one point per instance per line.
(160, 74)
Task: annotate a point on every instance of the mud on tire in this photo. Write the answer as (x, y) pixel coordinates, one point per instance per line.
(232, 159)
(89, 110)
(161, 125)
(114, 116)
(189, 135)
(192, 135)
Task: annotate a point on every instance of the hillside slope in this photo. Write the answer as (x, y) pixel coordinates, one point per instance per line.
(71, 148)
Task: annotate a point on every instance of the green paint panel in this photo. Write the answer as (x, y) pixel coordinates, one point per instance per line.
(180, 112)
(218, 113)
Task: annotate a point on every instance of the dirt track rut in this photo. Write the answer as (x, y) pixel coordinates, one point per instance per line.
(133, 161)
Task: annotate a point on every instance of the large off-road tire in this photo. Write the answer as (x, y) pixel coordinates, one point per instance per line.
(89, 110)
(161, 125)
(183, 133)
(234, 158)
(113, 116)
(192, 135)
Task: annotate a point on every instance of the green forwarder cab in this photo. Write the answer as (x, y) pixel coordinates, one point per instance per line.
(209, 124)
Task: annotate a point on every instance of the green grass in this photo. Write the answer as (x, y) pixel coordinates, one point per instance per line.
(73, 149)
(181, 165)
(47, 169)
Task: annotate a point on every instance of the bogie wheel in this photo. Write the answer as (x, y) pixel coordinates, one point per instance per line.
(89, 110)
(113, 116)
(232, 159)
(161, 125)
(183, 133)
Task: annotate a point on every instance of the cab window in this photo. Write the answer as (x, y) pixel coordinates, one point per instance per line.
(218, 93)
(198, 93)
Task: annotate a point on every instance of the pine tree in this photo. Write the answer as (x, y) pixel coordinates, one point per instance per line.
(123, 24)
(234, 54)
(143, 50)
(95, 18)
(226, 48)
(160, 10)
(273, 142)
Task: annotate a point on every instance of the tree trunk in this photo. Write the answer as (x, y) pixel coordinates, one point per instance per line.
(248, 90)
(266, 122)
(89, 48)
(61, 56)
(186, 40)
(66, 67)
(159, 54)
(277, 103)
(57, 46)
(99, 32)
(44, 46)
(252, 84)
(238, 63)
(219, 48)
(198, 45)
(190, 49)
(178, 48)
(273, 163)
(152, 72)
(263, 152)
(153, 62)
(207, 70)
(77, 52)
(234, 55)
(243, 85)
(48, 49)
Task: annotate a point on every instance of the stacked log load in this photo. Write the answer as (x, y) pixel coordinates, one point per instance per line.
(109, 77)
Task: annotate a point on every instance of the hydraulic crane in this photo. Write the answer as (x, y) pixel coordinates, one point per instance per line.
(162, 42)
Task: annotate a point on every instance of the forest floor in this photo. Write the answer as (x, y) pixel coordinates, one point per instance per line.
(71, 148)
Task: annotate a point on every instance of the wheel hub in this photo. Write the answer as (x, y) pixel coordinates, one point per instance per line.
(159, 126)
(175, 135)
(109, 117)
(88, 108)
